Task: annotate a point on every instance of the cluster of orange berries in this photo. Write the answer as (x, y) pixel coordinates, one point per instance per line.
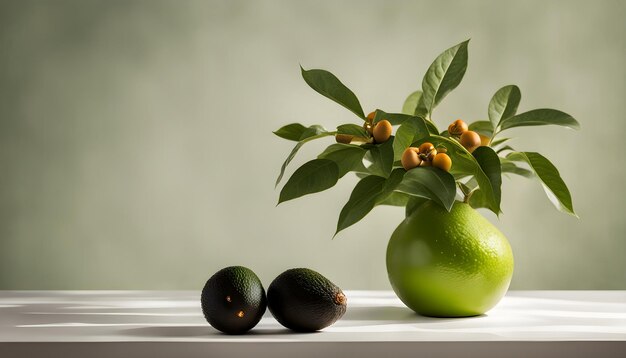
(426, 155)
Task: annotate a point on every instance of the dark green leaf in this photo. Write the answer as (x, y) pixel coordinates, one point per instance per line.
(413, 204)
(444, 75)
(352, 129)
(409, 131)
(347, 157)
(553, 185)
(504, 104)
(312, 177)
(490, 164)
(396, 199)
(382, 158)
(430, 183)
(482, 127)
(297, 147)
(395, 178)
(313, 131)
(540, 117)
(361, 202)
(464, 164)
(291, 131)
(326, 84)
(393, 118)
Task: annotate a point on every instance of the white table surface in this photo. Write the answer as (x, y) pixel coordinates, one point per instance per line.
(166, 323)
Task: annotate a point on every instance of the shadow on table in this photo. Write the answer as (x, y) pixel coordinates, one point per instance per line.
(193, 331)
(397, 314)
(383, 315)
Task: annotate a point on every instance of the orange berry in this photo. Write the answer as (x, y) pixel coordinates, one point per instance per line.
(382, 131)
(410, 159)
(457, 127)
(470, 140)
(442, 161)
(427, 151)
(343, 138)
(426, 148)
(371, 116)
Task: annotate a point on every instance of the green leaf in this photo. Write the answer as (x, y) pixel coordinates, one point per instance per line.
(313, 131)
(468, 187)
(464, 164)
(361, 202)
(409, 131)
(299, 145)
(326, 84)
(347, 157)
(290, 157)
(352, 129)
(430, 183)
(506, 147)
(410, 103)
(482, 127)
(509, 167)
(312, 177)
(490, 164)
(399, 118)
(414, 105)
(393, 118)
(444, 75)
(291, 131)
(381, 156)
(540, 117)
(413, 204)
(431, 126)
(504, 104)
(395, 178)
(396, 199)
(368, 193)
(553, 185)
(497, 142)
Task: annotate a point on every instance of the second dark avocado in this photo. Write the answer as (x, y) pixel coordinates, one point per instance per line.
(303, 300)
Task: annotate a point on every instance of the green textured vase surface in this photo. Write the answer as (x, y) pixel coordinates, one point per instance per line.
(449, 264)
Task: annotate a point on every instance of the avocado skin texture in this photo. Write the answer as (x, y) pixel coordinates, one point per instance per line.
(228, 293)
(304, 300)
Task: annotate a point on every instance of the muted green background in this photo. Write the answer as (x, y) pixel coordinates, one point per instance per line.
(136, 149)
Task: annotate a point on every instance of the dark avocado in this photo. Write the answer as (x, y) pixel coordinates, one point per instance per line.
(233, 300)
(305, 301)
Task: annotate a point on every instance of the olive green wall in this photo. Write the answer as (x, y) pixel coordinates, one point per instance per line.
(136, 149)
